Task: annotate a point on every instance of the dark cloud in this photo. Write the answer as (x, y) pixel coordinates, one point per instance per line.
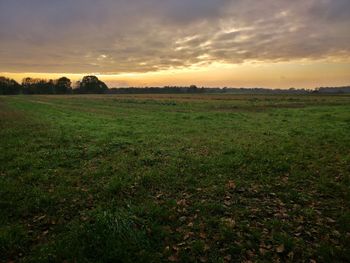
(112, 36)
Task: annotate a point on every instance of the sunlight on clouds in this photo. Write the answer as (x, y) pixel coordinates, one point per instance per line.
(253, 74)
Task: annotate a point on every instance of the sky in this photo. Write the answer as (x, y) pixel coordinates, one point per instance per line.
(233, 43)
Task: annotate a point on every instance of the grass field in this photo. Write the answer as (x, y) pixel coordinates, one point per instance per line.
(179, 178)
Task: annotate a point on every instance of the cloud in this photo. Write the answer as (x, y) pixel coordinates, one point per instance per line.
(115, 36)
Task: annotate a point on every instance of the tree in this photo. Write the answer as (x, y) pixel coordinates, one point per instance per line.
(192, 89)
(63, 86)
(27, 85)
(38, 86)
(91, 84)
(9, 86)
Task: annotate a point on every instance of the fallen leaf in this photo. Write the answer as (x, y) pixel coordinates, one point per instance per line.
(181, 202)
(173, 258)
(262, 251)
(280, 248)
(227, 203)
(229, 222)
(228, 258)
(187, 236)
(203, 259)
(231, 185)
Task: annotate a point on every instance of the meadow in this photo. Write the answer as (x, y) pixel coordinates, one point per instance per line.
(175, 178)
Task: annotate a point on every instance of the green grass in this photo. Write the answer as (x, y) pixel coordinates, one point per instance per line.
(188, 178)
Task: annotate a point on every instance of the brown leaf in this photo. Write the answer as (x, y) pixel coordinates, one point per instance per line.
(203, 259)
(202, 235)
(39, 218)
(166, 249)
(262, 251)
(330, 220)
(175, 248)
(228, 258)
(231, 185)
(181, 202)
(280, 249)
(229, 222)
(299, 229)
(173, 258)
(227, 203)
(187, 236)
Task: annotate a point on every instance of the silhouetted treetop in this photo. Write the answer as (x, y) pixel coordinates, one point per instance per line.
(9, 86)
(43, 86)
(63, 86)
(37, 86)
(91, 84)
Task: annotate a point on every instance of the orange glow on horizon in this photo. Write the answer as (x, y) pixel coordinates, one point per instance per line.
(299, 74)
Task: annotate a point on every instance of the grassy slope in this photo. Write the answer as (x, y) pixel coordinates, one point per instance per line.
(174, 178)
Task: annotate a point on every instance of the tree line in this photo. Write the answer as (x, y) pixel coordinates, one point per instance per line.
(63, 85)
(226, 90)
(92, 85)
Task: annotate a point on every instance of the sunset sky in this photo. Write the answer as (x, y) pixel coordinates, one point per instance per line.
(269, 43)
